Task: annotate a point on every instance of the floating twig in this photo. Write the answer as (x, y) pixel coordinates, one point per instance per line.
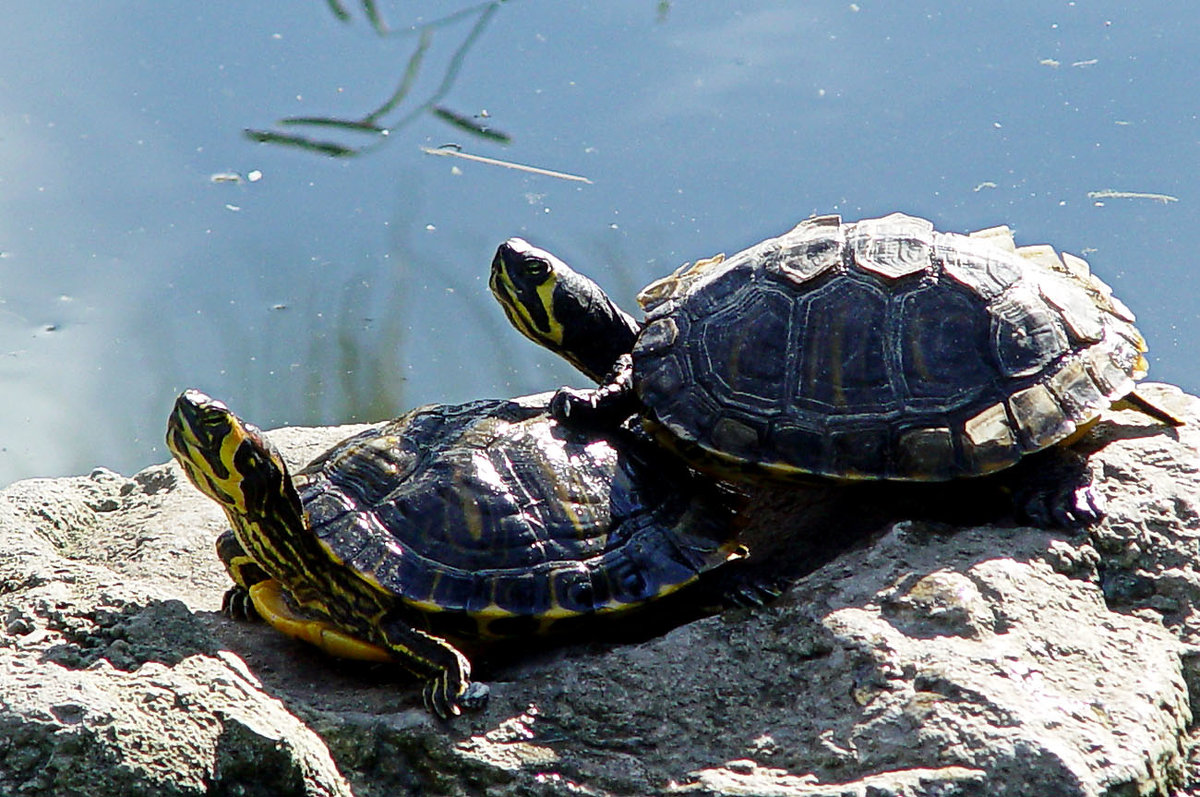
(454, 153)
(1109, 193)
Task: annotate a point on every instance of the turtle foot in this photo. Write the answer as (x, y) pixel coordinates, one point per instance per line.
(472, 696)
(1068, 506)
(570, 405)
(606, 406)
(752, 592)
(236, 605)
(1062, 495)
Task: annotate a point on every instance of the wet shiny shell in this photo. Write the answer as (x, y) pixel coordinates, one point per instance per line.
(881, 349)
(489, 519)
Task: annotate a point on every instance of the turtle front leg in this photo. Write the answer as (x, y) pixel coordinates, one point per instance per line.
(448, 687)
(605, 406)
(245, 572)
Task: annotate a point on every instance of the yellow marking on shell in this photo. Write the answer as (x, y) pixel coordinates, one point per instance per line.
(426, 606)
(272, 606)
(562, 496)
(614, 607)
(325, 546)
(493, 611)
(472, 513)
(547, 620)
(1081, 429)
(835, 365)
(557, 612)
(1141, 367)
(724, 465)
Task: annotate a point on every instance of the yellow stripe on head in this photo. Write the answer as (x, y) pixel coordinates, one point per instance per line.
(564, 311)
(524, 280)
(206, 438)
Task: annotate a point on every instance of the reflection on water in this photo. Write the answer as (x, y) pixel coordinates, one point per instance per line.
(150, 242)
(375, 123)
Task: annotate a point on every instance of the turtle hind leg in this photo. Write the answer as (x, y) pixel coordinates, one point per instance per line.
(1056, 489)
(605, 406)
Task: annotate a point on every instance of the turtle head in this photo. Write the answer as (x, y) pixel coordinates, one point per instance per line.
(559, 308)
(228, 459)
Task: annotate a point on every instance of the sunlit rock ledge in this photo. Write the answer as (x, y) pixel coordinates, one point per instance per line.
(926, 660)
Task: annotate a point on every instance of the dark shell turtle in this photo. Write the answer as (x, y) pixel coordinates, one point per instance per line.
(452, 525)
(880, 349)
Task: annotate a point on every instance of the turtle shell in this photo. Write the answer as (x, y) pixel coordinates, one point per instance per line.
(881, 349)
(490, 519)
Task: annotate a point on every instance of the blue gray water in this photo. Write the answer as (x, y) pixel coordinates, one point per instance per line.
(316, 271)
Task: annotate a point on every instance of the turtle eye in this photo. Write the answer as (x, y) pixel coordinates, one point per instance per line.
(535, 268)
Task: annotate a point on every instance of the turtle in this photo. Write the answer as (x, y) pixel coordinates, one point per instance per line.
(874, 350)
(452, 527)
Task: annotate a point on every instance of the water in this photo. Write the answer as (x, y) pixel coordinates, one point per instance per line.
(319, 289)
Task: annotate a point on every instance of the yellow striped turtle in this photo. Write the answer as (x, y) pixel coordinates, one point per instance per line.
(880, 349)
(451, 526)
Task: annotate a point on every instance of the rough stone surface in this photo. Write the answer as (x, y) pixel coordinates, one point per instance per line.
(913, 655)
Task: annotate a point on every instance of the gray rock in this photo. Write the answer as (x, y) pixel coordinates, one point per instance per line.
(914, 655)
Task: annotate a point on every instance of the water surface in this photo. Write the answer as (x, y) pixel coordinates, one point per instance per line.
(314, 271)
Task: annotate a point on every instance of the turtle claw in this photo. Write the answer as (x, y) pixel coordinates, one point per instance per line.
(607, 405)
(1065, 505)
(752, 594)
(445, 701)
(761, 595)
(237, 605)
(569, 405)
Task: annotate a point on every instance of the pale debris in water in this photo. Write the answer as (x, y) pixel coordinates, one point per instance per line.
(1109, 193)
(252, 176)
(455, 153)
